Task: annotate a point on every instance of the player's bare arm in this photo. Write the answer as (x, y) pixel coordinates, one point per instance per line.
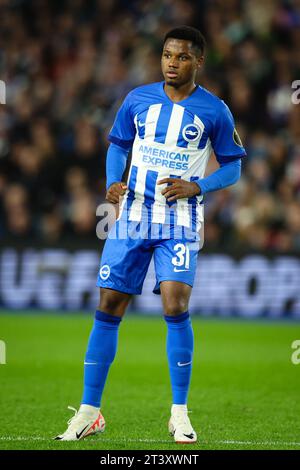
(178, 188)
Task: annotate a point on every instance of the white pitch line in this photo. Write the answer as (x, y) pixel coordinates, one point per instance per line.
(266, 443)
(22, 438)
(155, 441)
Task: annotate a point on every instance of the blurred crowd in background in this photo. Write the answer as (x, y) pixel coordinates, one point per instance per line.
(69, 63)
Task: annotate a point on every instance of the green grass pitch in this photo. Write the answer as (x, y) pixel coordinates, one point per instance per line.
(244, 393)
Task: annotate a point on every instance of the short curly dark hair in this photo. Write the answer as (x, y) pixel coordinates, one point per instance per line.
(189, 34)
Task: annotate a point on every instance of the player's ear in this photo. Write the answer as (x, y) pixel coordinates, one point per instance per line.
(200, 61)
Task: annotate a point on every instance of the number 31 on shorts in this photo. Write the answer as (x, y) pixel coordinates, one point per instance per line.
(182, 257)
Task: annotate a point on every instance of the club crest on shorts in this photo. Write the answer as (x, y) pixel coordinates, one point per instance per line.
(104, 272)
(191, 132)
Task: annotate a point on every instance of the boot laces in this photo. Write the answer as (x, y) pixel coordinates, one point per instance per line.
(182, 419)
(77, 419)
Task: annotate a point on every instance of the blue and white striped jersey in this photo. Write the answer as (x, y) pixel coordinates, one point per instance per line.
(171, 140)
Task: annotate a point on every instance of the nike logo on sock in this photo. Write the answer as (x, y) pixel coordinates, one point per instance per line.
(78, 435)
(182, 364)
(90, 363)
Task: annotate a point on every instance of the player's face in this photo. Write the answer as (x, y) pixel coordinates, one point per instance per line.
(179, 63)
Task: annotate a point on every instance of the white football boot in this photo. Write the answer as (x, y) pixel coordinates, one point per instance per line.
(85, 422)
(180, 426)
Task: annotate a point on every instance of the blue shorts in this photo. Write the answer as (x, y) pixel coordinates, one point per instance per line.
(125, 262)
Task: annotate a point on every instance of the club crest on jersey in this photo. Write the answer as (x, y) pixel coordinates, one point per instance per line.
(104, 272)
(191, 132)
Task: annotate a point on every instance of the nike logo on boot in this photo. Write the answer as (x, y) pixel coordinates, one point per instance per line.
(78, 435)
(190, 436)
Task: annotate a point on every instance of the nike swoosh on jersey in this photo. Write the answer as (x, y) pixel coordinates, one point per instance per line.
(182, 364)
(142, 124)
(180, 270)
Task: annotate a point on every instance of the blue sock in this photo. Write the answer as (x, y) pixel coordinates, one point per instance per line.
(180, 346)
(101, 351)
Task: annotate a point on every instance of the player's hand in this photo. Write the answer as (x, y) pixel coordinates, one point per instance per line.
(178, 189)
(115, 191)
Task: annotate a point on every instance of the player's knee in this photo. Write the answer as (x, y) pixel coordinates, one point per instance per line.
(176, 307)
(112, 304)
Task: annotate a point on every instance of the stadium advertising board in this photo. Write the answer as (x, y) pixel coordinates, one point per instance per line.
(54, 279)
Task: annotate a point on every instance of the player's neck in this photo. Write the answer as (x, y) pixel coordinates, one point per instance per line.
(179, 94)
